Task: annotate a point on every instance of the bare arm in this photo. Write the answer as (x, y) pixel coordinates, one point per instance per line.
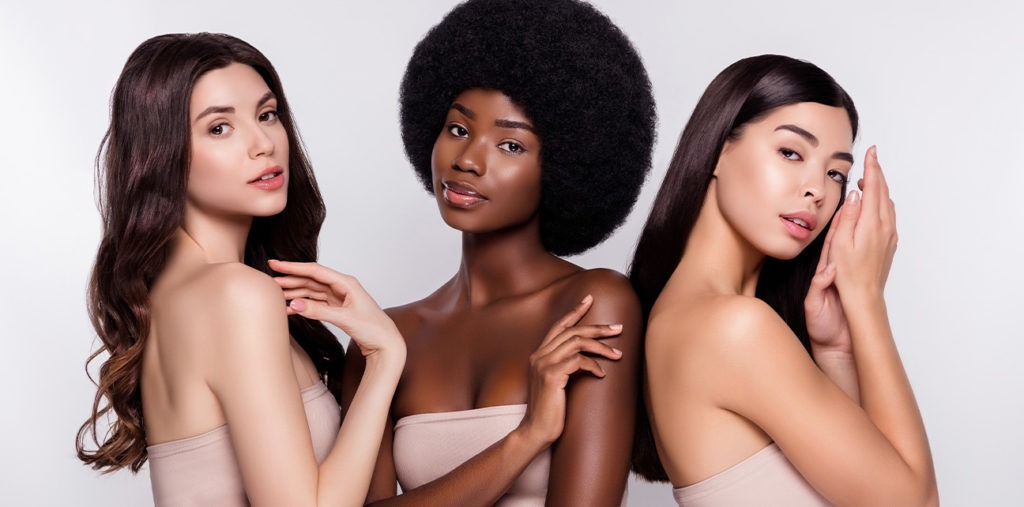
(253, 378)
(483, 479)
(877, 452)
(590, 462)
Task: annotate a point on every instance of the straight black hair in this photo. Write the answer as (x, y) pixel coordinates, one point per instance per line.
(744, 92)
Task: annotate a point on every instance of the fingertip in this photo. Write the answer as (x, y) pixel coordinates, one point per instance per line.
(587, 299)
(298, 305)
(854, 198)
(615, 327)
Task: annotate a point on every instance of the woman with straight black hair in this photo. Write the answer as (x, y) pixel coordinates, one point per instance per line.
(772, 377)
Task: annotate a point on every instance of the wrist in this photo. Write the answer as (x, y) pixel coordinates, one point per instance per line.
(532, 441)
(385, 361)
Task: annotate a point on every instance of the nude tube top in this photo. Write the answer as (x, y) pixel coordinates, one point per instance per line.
(202, 470)
(428, 446)
(765, 478)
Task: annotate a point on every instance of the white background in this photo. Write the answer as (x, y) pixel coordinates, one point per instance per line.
(938, 86)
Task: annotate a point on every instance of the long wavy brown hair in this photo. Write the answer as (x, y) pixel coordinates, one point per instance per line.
(141, 173)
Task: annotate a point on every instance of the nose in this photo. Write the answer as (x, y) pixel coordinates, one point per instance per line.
(814, 186)
(471, 158)
(260, 143)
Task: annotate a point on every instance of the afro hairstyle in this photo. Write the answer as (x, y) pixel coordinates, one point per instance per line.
(578, 79)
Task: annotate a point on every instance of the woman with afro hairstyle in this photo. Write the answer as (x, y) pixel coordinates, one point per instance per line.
(229, 394)
(772, 373)
(531, 123)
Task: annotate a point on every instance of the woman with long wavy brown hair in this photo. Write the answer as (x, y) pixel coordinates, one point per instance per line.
(203, 183)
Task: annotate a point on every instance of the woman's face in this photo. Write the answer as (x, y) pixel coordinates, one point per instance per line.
(239, 157)
(486, 164)
(780, 182)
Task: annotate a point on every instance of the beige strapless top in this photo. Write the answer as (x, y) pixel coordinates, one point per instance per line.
(202, 470)
(428, 446)
(766, 478)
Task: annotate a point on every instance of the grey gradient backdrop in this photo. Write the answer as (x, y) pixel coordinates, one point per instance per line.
(938, 86)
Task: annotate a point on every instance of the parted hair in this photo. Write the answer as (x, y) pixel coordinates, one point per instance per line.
(578, 79)
(142, 175)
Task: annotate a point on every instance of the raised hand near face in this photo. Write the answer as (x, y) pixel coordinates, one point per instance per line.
(865, 237)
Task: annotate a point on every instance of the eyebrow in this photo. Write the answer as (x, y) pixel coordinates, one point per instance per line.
(840, 155)
(508, 124)
(267, 97)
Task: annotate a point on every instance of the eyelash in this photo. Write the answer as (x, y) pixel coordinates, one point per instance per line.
(272, 112)
(832, 173)
(519, 148)
(217, 126)
(843, 179)
(459, 131)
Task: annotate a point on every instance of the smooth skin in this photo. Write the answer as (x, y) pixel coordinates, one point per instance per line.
(726, 376)
(219, 351)
(495, 333)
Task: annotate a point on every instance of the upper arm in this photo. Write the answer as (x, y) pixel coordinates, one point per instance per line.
(252, 376)
(590, 461)
(773, 382)
(383, 483)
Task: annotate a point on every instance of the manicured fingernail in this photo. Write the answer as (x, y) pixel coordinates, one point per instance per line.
(298, 305)
(874, 151)
(615, 327)
(273, 260)
(586, 299)
(617, 351)
(854, 198)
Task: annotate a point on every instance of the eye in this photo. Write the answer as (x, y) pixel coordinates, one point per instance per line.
(268, 116)
(512, 147)
(457, 130)
(789, 154)
(221, 129)
(837, 176)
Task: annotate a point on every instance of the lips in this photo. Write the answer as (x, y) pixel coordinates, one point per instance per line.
(270, 179)
(800, 224)
(461, 194)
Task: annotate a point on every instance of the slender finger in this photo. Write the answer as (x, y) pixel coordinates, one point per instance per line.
(311, 270)
(594, 331)
(295, 282)
(848, 219)
(871, 190)
(826, 246)
(569, 319)
(578, 345)
(883, 183)
(309, 294)
(557, 373)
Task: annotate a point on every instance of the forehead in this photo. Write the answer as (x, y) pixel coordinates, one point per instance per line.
(831, 125)
(232, 86)
(491, 103)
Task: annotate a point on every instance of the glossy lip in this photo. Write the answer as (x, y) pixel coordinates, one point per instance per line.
(796, 230)
(275, 182)
(461, 194)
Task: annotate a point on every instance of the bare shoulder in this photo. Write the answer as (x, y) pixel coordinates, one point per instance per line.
(218, 299)
(726, 329)
(607, 286)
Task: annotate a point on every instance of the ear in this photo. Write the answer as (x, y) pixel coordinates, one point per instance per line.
(718, 164)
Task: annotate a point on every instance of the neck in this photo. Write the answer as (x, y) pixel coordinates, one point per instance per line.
(220, 239)
(505, 263)
(716, 256)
